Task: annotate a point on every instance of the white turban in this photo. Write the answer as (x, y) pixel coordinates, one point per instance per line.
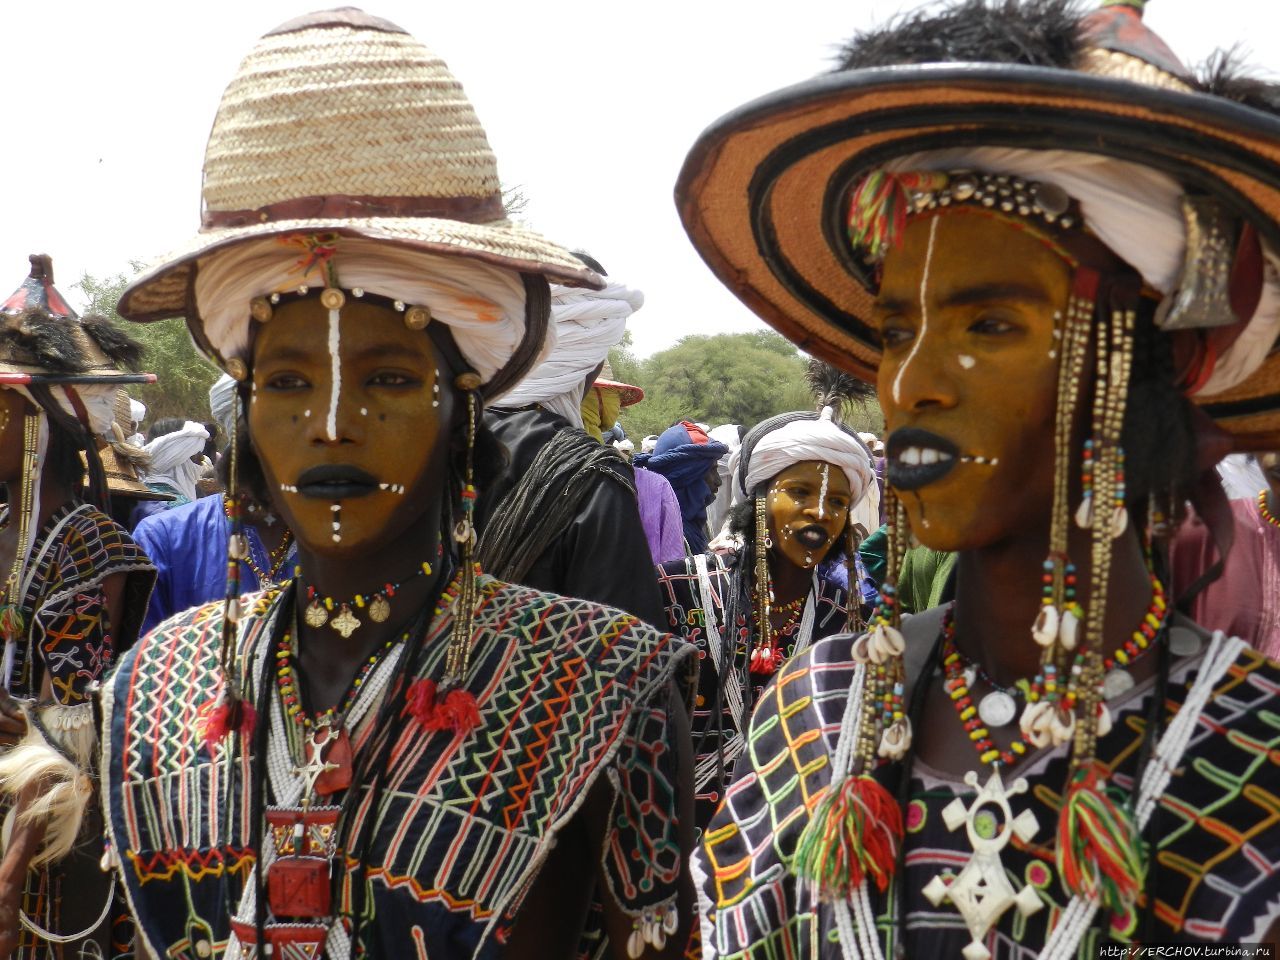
(587, 324)
(222, 401)
(171, 458)
(1137, 212)
(483, 305)
(800, 441)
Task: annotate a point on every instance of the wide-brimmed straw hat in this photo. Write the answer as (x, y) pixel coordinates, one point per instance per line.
(340, 123)
(765, 190)
(631, 394)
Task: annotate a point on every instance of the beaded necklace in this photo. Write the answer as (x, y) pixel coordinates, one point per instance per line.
(1262, 508)
(767, 654)
(275, 558)
(1046, 686)
(290, 686)
(377, 603)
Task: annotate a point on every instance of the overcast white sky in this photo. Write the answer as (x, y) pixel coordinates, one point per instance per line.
(590, 107)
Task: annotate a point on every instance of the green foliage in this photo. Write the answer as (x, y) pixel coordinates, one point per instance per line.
(726, 378)
(183, 376)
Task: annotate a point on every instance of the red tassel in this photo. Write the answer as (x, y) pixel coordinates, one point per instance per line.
(457, 711)
(230, 715)
(420, 701)
(853, 834)
(1099, 852)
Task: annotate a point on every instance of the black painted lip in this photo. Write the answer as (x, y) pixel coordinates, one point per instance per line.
(336, 482)
(812, 536)
(904, 476)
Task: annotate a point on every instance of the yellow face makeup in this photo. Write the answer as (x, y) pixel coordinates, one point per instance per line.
(348, 419)
(808, 508)
(968, 383)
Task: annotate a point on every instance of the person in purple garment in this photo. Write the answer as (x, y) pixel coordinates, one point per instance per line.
(660, 516)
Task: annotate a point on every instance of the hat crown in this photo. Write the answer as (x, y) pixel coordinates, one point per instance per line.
(342, 110)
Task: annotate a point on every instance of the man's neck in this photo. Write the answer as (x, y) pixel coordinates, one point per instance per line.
(998, 596)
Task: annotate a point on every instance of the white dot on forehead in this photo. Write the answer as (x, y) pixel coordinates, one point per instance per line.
(967, 361)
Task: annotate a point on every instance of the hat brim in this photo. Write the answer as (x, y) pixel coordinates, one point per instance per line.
(762, 192)
(163, 291)
(631, 394)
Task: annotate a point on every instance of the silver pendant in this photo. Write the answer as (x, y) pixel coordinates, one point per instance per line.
(981, 891)
(997, 709)
(1115, 683)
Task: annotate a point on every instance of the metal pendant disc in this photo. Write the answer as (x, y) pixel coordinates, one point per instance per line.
(315, 614)
(997, 709)
(1184, 642)
(379, 609)
(1115, 683)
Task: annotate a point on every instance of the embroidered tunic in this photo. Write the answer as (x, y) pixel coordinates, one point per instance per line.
(70, 640)
(78, 548)
(718, 717)
(1218, 825)
(568, 691)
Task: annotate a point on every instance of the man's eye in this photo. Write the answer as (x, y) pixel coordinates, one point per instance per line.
(896, 336)
(389, 378)
(991, 326)
(286, 381)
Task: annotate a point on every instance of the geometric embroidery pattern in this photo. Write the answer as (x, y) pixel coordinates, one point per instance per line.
(1217, 863)
(568, 691)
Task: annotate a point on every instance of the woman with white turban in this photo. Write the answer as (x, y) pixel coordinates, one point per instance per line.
(796, 479)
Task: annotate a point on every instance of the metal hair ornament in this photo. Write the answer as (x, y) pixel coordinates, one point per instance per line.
(882, 201)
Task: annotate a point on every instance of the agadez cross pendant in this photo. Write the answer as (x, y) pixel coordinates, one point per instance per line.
(981, 890)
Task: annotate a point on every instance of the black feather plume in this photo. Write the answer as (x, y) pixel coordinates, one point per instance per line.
(1226, 74)
(32, 338)
(834, 388)
(122, 349)
(1038, 33)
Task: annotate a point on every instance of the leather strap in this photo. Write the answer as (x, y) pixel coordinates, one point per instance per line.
(466, 209)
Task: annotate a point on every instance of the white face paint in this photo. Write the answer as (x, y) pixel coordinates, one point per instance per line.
(337, 519)
(924, 311)
(822, 493)
(967, 361)
(335, 366)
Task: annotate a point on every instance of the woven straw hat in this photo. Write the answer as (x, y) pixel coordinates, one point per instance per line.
(631, 394)
(340, 122)
(764, 190)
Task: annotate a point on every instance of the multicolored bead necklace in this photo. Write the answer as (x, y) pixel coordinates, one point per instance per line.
(1047, 686)
(767, 656)
(291, 696)
(319, 610)
(1262, 508)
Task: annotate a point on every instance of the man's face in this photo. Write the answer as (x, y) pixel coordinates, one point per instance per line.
(349, 423)
(968, 385)
(808, 508)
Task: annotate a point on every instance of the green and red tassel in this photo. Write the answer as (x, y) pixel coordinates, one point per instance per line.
(853, 835)
(1099, 851)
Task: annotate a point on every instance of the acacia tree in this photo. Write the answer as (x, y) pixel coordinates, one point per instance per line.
(183, 376)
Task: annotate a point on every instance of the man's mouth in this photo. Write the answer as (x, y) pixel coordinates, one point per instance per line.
(811, 537)
(917, 458)
(333, 482)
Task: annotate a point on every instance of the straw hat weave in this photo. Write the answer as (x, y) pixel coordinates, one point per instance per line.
(341, 122)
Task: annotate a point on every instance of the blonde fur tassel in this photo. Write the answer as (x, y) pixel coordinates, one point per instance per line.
(64, 789)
